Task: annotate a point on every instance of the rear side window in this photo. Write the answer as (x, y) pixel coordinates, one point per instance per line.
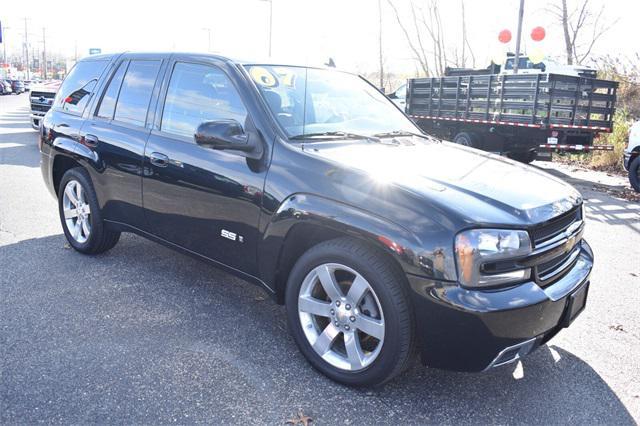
(75, 93)
(108, 103)
(199, 93)
(135, 93)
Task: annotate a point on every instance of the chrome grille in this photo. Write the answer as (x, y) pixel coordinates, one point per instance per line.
(41, 101)
(551, 235)
(555, 226)
(47, 95)
(40, 108)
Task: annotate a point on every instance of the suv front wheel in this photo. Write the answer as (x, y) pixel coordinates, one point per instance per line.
(348, 311)
(634, 173)
(80, 214)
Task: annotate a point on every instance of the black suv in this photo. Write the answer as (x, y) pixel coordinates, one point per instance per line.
(380, 240)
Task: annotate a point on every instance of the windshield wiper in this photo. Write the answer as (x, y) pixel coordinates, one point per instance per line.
(401, 133)
(335, 135)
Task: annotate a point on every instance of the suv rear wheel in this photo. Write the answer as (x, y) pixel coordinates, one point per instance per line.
(80, 214)
(348, 311)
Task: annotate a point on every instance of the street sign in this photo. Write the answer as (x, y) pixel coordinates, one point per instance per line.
(95, 51)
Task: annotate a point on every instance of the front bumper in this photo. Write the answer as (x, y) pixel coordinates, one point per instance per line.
(473, 330)
(36, 118)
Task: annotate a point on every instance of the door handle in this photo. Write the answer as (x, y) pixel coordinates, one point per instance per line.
(159, 159)
(90, 140)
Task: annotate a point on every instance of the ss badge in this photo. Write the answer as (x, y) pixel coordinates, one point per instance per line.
(231, 236)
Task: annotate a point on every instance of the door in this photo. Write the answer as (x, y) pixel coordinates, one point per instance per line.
(117, 134)
(205, 200)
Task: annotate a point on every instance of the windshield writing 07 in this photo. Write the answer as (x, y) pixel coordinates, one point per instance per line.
(313, 101)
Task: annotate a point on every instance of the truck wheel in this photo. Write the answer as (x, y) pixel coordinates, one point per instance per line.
(80, 214)
(634, 173)
(523, 157)
(466, 139)
(349, 313)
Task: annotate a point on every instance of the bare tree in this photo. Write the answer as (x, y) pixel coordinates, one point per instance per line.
(426, 37)
(582, 27)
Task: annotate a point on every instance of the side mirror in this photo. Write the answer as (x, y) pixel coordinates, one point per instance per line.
(223, 134)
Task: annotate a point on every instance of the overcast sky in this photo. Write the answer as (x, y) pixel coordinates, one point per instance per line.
(304, 31)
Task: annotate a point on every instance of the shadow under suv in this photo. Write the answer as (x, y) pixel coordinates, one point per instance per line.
(380, 240)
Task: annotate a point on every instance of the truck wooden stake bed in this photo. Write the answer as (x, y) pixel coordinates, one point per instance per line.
(524, 116)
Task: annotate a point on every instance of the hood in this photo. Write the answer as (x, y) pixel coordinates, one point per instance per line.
(481, 187)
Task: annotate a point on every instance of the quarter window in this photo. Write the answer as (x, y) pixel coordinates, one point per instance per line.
(74, 94)
(135, 94)
(199, 93)
(108, 103)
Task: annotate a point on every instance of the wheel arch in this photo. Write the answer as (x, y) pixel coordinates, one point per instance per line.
(61, 164)
(305, 220)
(67, 154)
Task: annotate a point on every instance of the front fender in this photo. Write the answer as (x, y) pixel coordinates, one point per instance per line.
(343, 219)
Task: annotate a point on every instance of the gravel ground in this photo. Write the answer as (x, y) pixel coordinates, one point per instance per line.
(143, 334)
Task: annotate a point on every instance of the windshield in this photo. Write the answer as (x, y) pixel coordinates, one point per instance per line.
(308, 101)
(523, 63)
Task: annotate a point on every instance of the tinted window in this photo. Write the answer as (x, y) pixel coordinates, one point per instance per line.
(108, 103)
(135, 93)
(199, 93)
(77, 88)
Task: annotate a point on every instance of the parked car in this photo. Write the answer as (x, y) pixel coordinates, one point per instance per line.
(632, 156)
(41, 99)
(6, 87)
(17, 86)
(379, 239)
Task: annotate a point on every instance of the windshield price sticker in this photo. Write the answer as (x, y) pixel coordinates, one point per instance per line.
(263, 77)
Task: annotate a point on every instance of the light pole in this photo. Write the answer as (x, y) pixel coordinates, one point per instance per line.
(44, 53)
(4, 44)
(26, 47)
(208, 30)
(270, 22)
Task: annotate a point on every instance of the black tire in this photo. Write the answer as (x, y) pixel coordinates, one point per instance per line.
(634, 171)
(100, 238)
(525, 157)
(467, 139)
(389, 284)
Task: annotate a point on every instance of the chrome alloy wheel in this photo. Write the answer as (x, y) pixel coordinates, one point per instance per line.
(341, 316)
(77, 212)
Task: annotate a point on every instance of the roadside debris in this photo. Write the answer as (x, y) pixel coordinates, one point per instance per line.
(299, 419)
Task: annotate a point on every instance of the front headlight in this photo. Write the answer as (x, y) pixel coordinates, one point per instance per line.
(486, 257)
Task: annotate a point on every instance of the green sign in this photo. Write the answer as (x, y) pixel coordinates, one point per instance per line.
(95, 51)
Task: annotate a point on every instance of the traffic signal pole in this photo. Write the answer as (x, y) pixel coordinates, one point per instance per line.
(518, 36)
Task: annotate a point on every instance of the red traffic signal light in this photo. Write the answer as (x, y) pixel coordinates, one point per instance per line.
(504, 36)
(537, 34)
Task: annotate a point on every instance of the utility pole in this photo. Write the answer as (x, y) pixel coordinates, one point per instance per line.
(44, 53)
(380, 44)
(270, 22)
(26, 46)
(518, 36)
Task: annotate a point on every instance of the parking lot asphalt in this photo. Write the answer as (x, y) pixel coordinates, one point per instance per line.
(142, 334)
